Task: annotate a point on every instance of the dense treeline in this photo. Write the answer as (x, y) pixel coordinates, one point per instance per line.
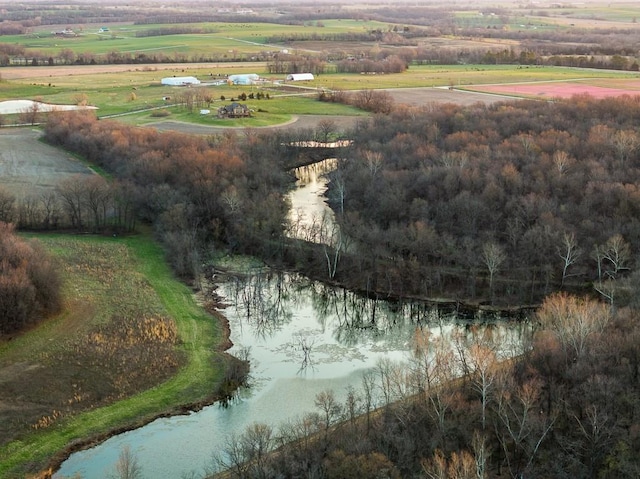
(512, 200)
(195, 192)
(29, 283)
(567, 409)
(79, 203)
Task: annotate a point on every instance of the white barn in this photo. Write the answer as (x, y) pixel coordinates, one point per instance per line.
(180, 81)
(300, 77)
(243, 79)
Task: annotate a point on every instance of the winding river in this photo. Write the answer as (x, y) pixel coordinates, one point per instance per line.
(302, 338)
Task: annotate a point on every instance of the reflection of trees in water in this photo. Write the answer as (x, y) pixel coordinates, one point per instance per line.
(262, 299)
(267, 302)
(309, 173)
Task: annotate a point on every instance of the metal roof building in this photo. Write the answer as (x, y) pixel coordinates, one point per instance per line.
(180, 81)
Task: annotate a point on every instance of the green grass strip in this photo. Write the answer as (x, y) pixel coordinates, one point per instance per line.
(200, 334)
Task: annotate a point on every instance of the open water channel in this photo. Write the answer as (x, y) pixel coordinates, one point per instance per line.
(302, 338)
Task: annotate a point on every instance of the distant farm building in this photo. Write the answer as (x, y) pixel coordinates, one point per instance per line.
(180, 81)
(300, 77)
(245, 79)
(234, 110)
(67, 32)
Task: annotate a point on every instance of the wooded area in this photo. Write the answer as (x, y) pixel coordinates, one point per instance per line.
(506, 202)
(567, 409)
(29, 283)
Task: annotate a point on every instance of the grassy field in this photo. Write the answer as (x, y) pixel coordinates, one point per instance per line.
(130, 335)
(212, 40)
(129, 89)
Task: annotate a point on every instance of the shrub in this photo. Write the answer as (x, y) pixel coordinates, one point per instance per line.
(160, 113)
(29, 284)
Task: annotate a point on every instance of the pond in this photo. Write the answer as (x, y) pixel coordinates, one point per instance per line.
(302, 338)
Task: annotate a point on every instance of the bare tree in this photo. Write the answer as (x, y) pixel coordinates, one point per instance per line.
(7, 206)
(31, 113)
(563, 161)
(617, 253)
(493, 256)
(521, 426)
(374, 162)
(460, 465)
(127, 466)
(625, 143)
(569, 253)
(481, 454)
(573, 320)
(483, 364)
(72, 193)
(325, 129)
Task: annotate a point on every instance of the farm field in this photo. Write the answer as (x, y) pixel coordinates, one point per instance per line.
(29, 167)
(118, 89)
(550, 90)
(210, 40)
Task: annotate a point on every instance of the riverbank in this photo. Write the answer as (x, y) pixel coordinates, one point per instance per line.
(110, 386)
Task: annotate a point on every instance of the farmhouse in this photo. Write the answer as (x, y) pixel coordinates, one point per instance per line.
(245, 79)
(234, 110)
(300, 77)
(180, 81)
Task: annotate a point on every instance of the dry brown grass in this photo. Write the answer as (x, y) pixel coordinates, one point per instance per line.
(112, 340)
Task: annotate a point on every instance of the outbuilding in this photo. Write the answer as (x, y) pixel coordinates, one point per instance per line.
(244, 79)
(180, 81)
(300, 77)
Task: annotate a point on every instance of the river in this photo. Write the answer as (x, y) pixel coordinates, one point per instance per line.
(302, 338)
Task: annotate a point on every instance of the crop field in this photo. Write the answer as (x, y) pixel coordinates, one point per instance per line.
(30, 167)
(550, 90)
(219, 39)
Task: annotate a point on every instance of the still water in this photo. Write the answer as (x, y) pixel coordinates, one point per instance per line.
(310, 218)
(301, 337)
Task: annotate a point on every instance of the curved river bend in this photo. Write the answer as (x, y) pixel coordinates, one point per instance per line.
(302, 338)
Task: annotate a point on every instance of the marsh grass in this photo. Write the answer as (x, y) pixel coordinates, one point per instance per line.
(131, 343)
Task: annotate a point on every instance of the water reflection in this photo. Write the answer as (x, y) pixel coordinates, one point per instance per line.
(310, 218)
(301, 338)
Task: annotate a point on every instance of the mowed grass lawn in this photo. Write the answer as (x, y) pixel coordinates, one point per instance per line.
(131, 343)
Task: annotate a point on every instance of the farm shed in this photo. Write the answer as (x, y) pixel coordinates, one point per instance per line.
(245, 79)
(180, 81)
(300, 77)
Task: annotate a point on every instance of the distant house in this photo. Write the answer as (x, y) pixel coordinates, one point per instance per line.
(234, 110)
(244, 79)
(300, 77)
(180, 81)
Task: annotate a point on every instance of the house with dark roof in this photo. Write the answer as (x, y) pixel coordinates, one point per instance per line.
(234, 110)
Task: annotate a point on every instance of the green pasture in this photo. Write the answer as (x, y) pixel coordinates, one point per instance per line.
(265, 112)
(199, 335)
(216, 39)
(612, 12)
(454, 75)
(138, 89)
